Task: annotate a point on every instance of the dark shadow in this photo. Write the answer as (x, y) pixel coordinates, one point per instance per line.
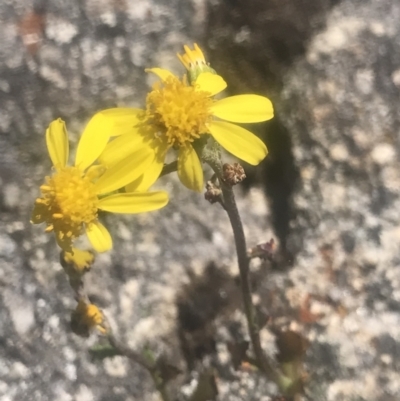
(253, 45)
(199, 303)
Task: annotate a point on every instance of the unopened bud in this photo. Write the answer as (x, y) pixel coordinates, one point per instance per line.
(213, 192)
(233, 173)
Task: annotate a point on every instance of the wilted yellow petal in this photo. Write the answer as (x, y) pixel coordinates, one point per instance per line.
(99, 237)
(125, 171)
(93, 140)
(243, 109)
(86, 317)
(123, 119)
(76, 262)
(134, 202)
(239, 141)
(57, 143)
(190, 170)
(211, 83)
(160, 72)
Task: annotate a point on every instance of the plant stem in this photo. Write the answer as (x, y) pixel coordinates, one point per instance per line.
(229, 204)
(131, 354)
(144, 361)
(244, 267)
(169, 168)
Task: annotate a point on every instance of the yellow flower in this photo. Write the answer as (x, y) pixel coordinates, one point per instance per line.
(71, 198)
(195, 62)
(177, 113)
(86, 317)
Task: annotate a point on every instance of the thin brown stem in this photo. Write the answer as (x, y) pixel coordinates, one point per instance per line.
(144, 361)
(244, 267)
(131, 354)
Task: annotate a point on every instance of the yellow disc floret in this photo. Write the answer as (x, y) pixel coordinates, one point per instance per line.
(68, 203)
(178, 110)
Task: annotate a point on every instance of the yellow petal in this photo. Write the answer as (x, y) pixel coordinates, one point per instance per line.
(243, 109)
(146, 180)
(95, 171)
(125, 171)
(57, 143)
(93, 140)
(153, 171)
(121, 147)
(160, 72)
(132, 187)
(123, 119)
(239, 141)
(134, 202)
(190, 170)
(99, 237)
(211, 83)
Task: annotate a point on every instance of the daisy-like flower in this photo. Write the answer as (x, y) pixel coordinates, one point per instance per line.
(178, 112)
(73, 195)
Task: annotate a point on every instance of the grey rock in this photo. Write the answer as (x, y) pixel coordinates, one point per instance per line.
(340, 105)
(334, 164)
(7, 246)
(69, 60)
(332, 69)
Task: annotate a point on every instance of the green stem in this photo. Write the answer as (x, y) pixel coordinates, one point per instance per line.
(169, 168)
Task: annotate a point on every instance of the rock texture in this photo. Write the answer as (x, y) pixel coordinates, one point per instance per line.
(337, 101)
(332, 180)
(68, 60)
(341, 106)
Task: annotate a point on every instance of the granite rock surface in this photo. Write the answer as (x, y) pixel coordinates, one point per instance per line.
(341, 107)
(332, 183)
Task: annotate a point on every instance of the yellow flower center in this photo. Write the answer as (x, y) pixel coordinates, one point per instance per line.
(179, 112)
(68, 202)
